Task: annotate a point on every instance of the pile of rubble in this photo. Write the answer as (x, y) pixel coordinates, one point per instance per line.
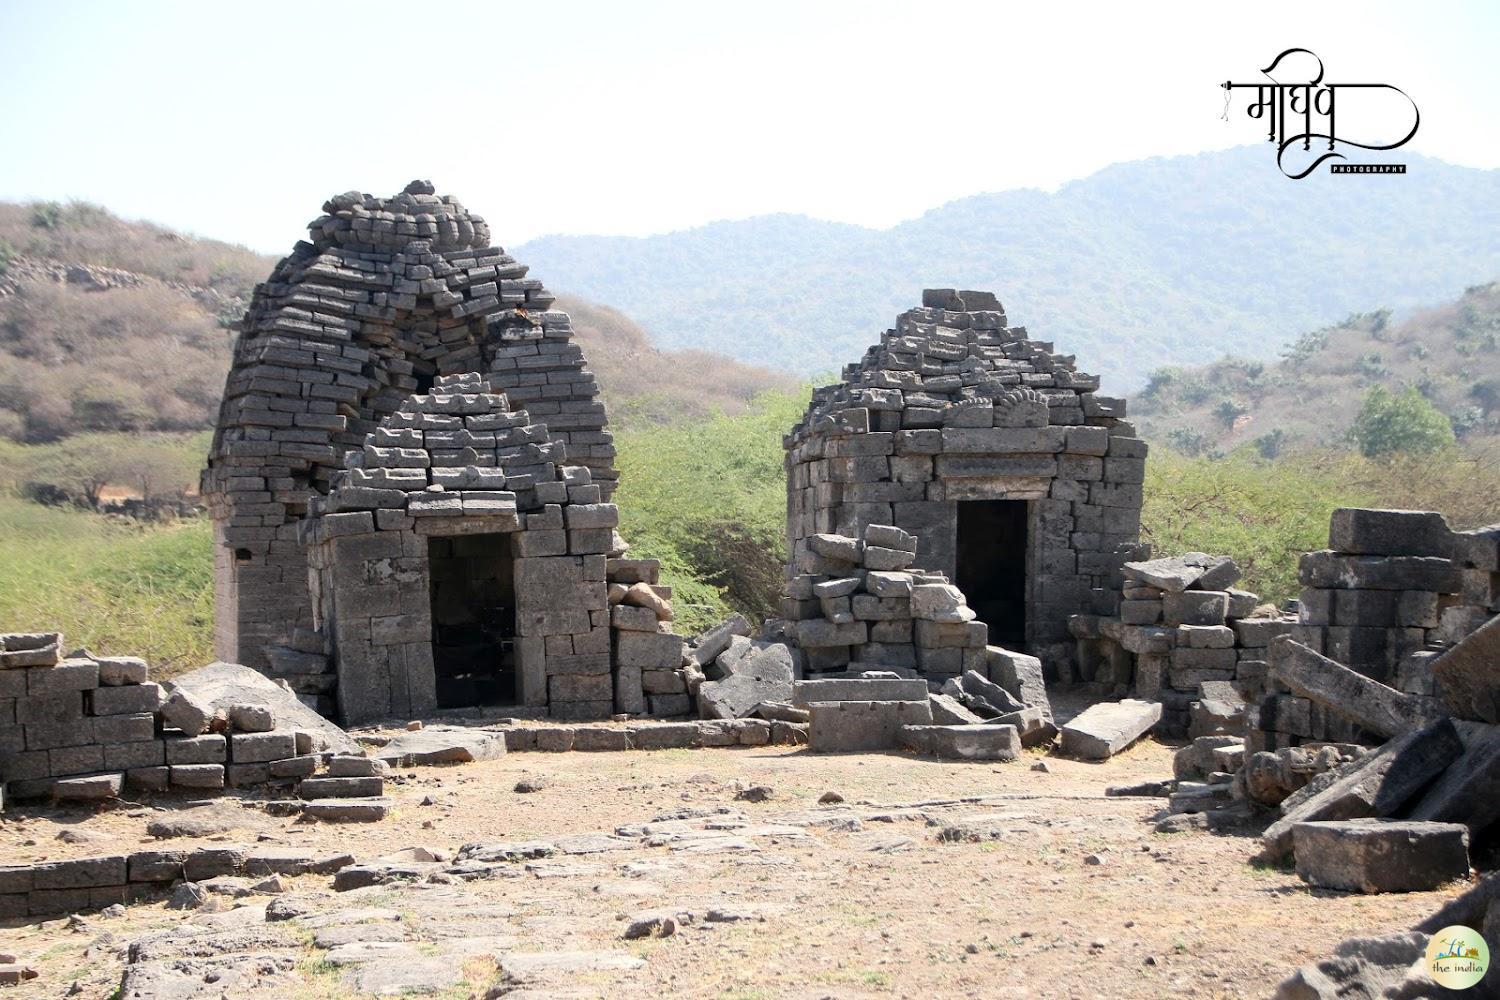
(1183, 636)
(81, 727)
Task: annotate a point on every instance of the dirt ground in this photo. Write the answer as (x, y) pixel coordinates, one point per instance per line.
(1072, 894)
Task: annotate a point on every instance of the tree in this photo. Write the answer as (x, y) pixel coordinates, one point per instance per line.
(1400, 422)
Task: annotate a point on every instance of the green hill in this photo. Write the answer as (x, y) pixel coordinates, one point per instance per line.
(1309, 398)
(1161, 261)
(108, 325)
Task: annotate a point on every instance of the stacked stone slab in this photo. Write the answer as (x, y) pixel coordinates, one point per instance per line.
(857, 604)
(648, 678)
(1390, 593)
(389, 294)
(953, 405)
(87, 727)
(1185, 637)
(454, 463)
(80, 884)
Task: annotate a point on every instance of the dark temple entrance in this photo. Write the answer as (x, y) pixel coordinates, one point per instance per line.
(473, 620)
(991, 566)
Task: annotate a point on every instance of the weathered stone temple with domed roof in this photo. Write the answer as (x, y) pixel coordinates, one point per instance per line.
(410, 482)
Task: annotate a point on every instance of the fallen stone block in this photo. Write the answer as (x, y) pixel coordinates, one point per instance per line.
(1195, 761)
(1034, 727)
(949, 711)
(983, 695)
(1359, 968)
(976, 742)
(760, 672)
(1368, 703)
(90, 788)
(1175, 574)
(842, 726)
(1020, 674)
(1379, 855)
(186, 712)
(1375, 785)
(441, 745)
(1103, 730)
(1469, 790)
(707, 647)
(221, 685)
(354, 766)
(347, 810)
(1468, 674)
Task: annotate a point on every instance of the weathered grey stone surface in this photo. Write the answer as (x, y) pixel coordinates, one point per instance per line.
(1468, 674)
(1035, 728)
(1103, 730)
(1370, 704)
(1020, 674)
(1364, 531)
(858, 689)
(842, 726)
(949, 711)
(1379, 855)
(1469, 790)
(1375, 785)
(973, 742)
(441, 745)
(759, 672)
(1360, 968)
(222, 685)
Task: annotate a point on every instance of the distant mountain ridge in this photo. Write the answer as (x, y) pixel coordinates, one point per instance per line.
(1143, 264)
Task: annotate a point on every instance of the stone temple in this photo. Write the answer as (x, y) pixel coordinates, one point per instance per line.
(410, 481)
(1021, 484)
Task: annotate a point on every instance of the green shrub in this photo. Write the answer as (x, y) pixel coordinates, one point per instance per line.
(1399, 422)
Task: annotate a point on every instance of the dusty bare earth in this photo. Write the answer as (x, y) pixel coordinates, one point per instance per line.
(1066, 893)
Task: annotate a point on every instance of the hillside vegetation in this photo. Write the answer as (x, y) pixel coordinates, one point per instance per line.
(1311, 397)
(1144, 264)
(108, 325)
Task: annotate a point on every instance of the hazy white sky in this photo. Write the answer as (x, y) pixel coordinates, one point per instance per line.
(237, 120)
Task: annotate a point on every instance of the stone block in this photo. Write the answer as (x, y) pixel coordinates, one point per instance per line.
(134, 728)
(858, 689)
(949, 711)
(115, 671)
(368, 810)
(846, 726)
(1374, 785)
(90, 788)
(184, 711)
(973, 742)
(211, 748)
(1195, 607)
(1468, 674)
(197, 776)
(1375, 855)
(1370, 704)
(1389, 532)
(340, 788)
(1328, 570)
(648, 651)
(259, 748)
(1020, 674)
(1034, 727)
(1103, 730)
(128, 756)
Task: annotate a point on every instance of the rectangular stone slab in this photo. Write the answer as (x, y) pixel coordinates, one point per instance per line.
(1103, 730)
(1372, 705)
(1389, 532)
(1468, 674)
(1373, 855)
(1377, 784)
(1469, 791)
(859, 689)
(840, 726)
(981, 742)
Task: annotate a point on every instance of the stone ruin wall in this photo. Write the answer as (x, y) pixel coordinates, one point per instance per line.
(953, 405)
(389, 294)
(456, 463)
